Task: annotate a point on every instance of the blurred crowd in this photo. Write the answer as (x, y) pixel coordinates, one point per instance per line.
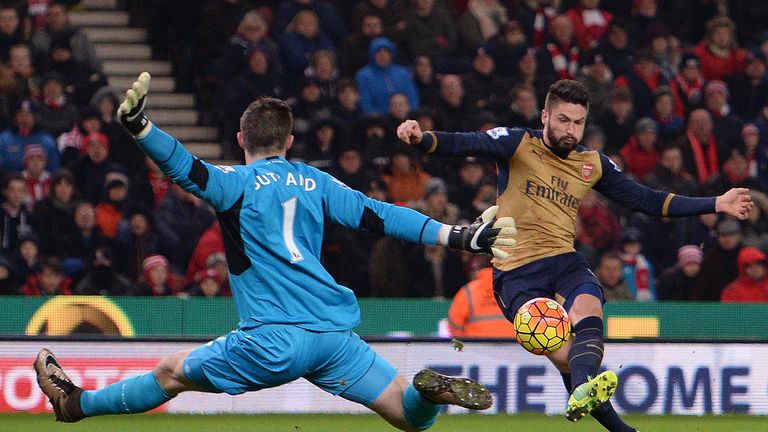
(680, 103)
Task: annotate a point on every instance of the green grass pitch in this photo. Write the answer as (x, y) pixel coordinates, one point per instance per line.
(368, 423)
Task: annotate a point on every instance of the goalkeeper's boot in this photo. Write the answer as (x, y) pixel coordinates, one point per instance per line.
(63, 394)
(441, 389)
(591, 395)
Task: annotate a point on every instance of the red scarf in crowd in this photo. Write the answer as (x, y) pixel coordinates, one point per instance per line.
(540, 22)
(565, 68)
(706, 165)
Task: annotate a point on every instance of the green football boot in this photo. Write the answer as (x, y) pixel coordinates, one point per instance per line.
(591, 395)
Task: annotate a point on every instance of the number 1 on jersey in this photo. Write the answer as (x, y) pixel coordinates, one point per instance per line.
(289, 215)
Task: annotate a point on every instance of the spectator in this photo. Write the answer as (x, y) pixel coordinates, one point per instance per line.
(609, 274)
(643, 18)
(430, 30)
(109, 210)
(474, 312)
(671, 124)
(619, 120)
(92, 168)
(207, 284)
(755, 228)
(54, 216)
(57, 113)
(102, 278)
(597, 76)
(701, 152)
(642, 150)
(528, 71)
(308, 108)
(322, 67)
(325, 13)
(483, 20)
(637, 270)
(616, 50)
(251, 35)
(562, 55)
(79, 80)
(454, 110)
(353, 51)
(20, 65)
(543, 11)
(471, 174)
(302, 39)
(123, 149)
(48, 280)
(599, 226)
(435, 203)
(427, 84)
(10, 32)
(594, 138)
(405, 179)
(484, 86)
(399, 110)
(749, 89)
(26, 258)
(23, 133)
(210, 244)
(751, 286)
(15, 220)
(378, 81)
(688, 84)
(524, 110)
(392, 12)
(7, 278)
(756, 151)
(681, 282)
(718, 52)
(323, 145)
(643, 80)
(71, 143)
(720, 266)
(181, 220)
(350, 170)
(670, 174)
(37, 177)
(58, 26)
(508, 47)
(726, 124)
(156, 278)
(345, 107)
(219, 20)
(589, 22)
(83, 245)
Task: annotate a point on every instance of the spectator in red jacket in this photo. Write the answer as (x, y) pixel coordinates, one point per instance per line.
(48, 281)
(642, 152)
(589, 23)
(719, 54)
(751, 286)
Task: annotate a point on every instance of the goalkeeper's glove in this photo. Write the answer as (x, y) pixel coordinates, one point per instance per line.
(485, 235)
(131, 111)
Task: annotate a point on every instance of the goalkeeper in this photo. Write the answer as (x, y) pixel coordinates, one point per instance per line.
(295, 320)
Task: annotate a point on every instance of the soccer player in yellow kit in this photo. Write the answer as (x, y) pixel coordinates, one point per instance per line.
(543, 175)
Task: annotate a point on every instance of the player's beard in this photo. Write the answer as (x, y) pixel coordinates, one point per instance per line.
(562, 145)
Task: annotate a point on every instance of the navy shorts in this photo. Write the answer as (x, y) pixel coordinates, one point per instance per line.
(561, 277)
(338, 362)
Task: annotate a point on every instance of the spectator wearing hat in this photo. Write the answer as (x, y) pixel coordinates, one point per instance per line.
(109, 210)
(749, 89)
(102, 278)
(57, 114)
(381, 78)
(719, 266)
(590, 22)
(671, 123)
(641, 152)
(54, 216)
(207, 283)
(37, 177)
(688, 84)
(92, 168)
(681, 282)
(48, 280)
(24, 132)
(718, 52)
(755, 150)
(727, 125)
(15, 220)
(609, 274)
(156, 278)
(637, 270)
(751, 286)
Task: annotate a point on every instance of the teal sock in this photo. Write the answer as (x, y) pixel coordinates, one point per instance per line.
(132, 395)
(417, 410)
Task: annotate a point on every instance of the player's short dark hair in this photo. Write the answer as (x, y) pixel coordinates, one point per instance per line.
(266, 124)
(568, 91)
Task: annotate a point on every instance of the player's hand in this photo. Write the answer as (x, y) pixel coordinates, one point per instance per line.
(486, 235)
(131, 111)
(736, 202)
(410, 132)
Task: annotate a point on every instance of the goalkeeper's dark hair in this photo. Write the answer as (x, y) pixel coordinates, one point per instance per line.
(266, 124)
(568, 91)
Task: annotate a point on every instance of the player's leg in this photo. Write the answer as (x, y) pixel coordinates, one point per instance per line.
(132, 395)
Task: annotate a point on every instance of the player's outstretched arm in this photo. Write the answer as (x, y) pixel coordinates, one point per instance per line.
(498, 142)
(736, 202)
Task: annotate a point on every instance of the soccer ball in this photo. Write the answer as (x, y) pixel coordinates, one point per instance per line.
(542, 326)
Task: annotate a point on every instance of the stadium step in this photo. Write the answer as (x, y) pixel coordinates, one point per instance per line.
(133, 68)
(169, 100)
(206, 151)
(192, 134)
(163, 84)
(112, 18)
(173, 117)
(99, 4)
(118, 51)
(112, 34)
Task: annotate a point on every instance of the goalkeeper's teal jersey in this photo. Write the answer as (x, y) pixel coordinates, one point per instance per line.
(272, 214)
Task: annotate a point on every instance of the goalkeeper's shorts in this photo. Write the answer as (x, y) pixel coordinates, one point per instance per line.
(561, 277)
(338, 362)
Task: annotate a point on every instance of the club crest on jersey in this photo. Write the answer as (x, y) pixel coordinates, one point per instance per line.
(587, 169)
